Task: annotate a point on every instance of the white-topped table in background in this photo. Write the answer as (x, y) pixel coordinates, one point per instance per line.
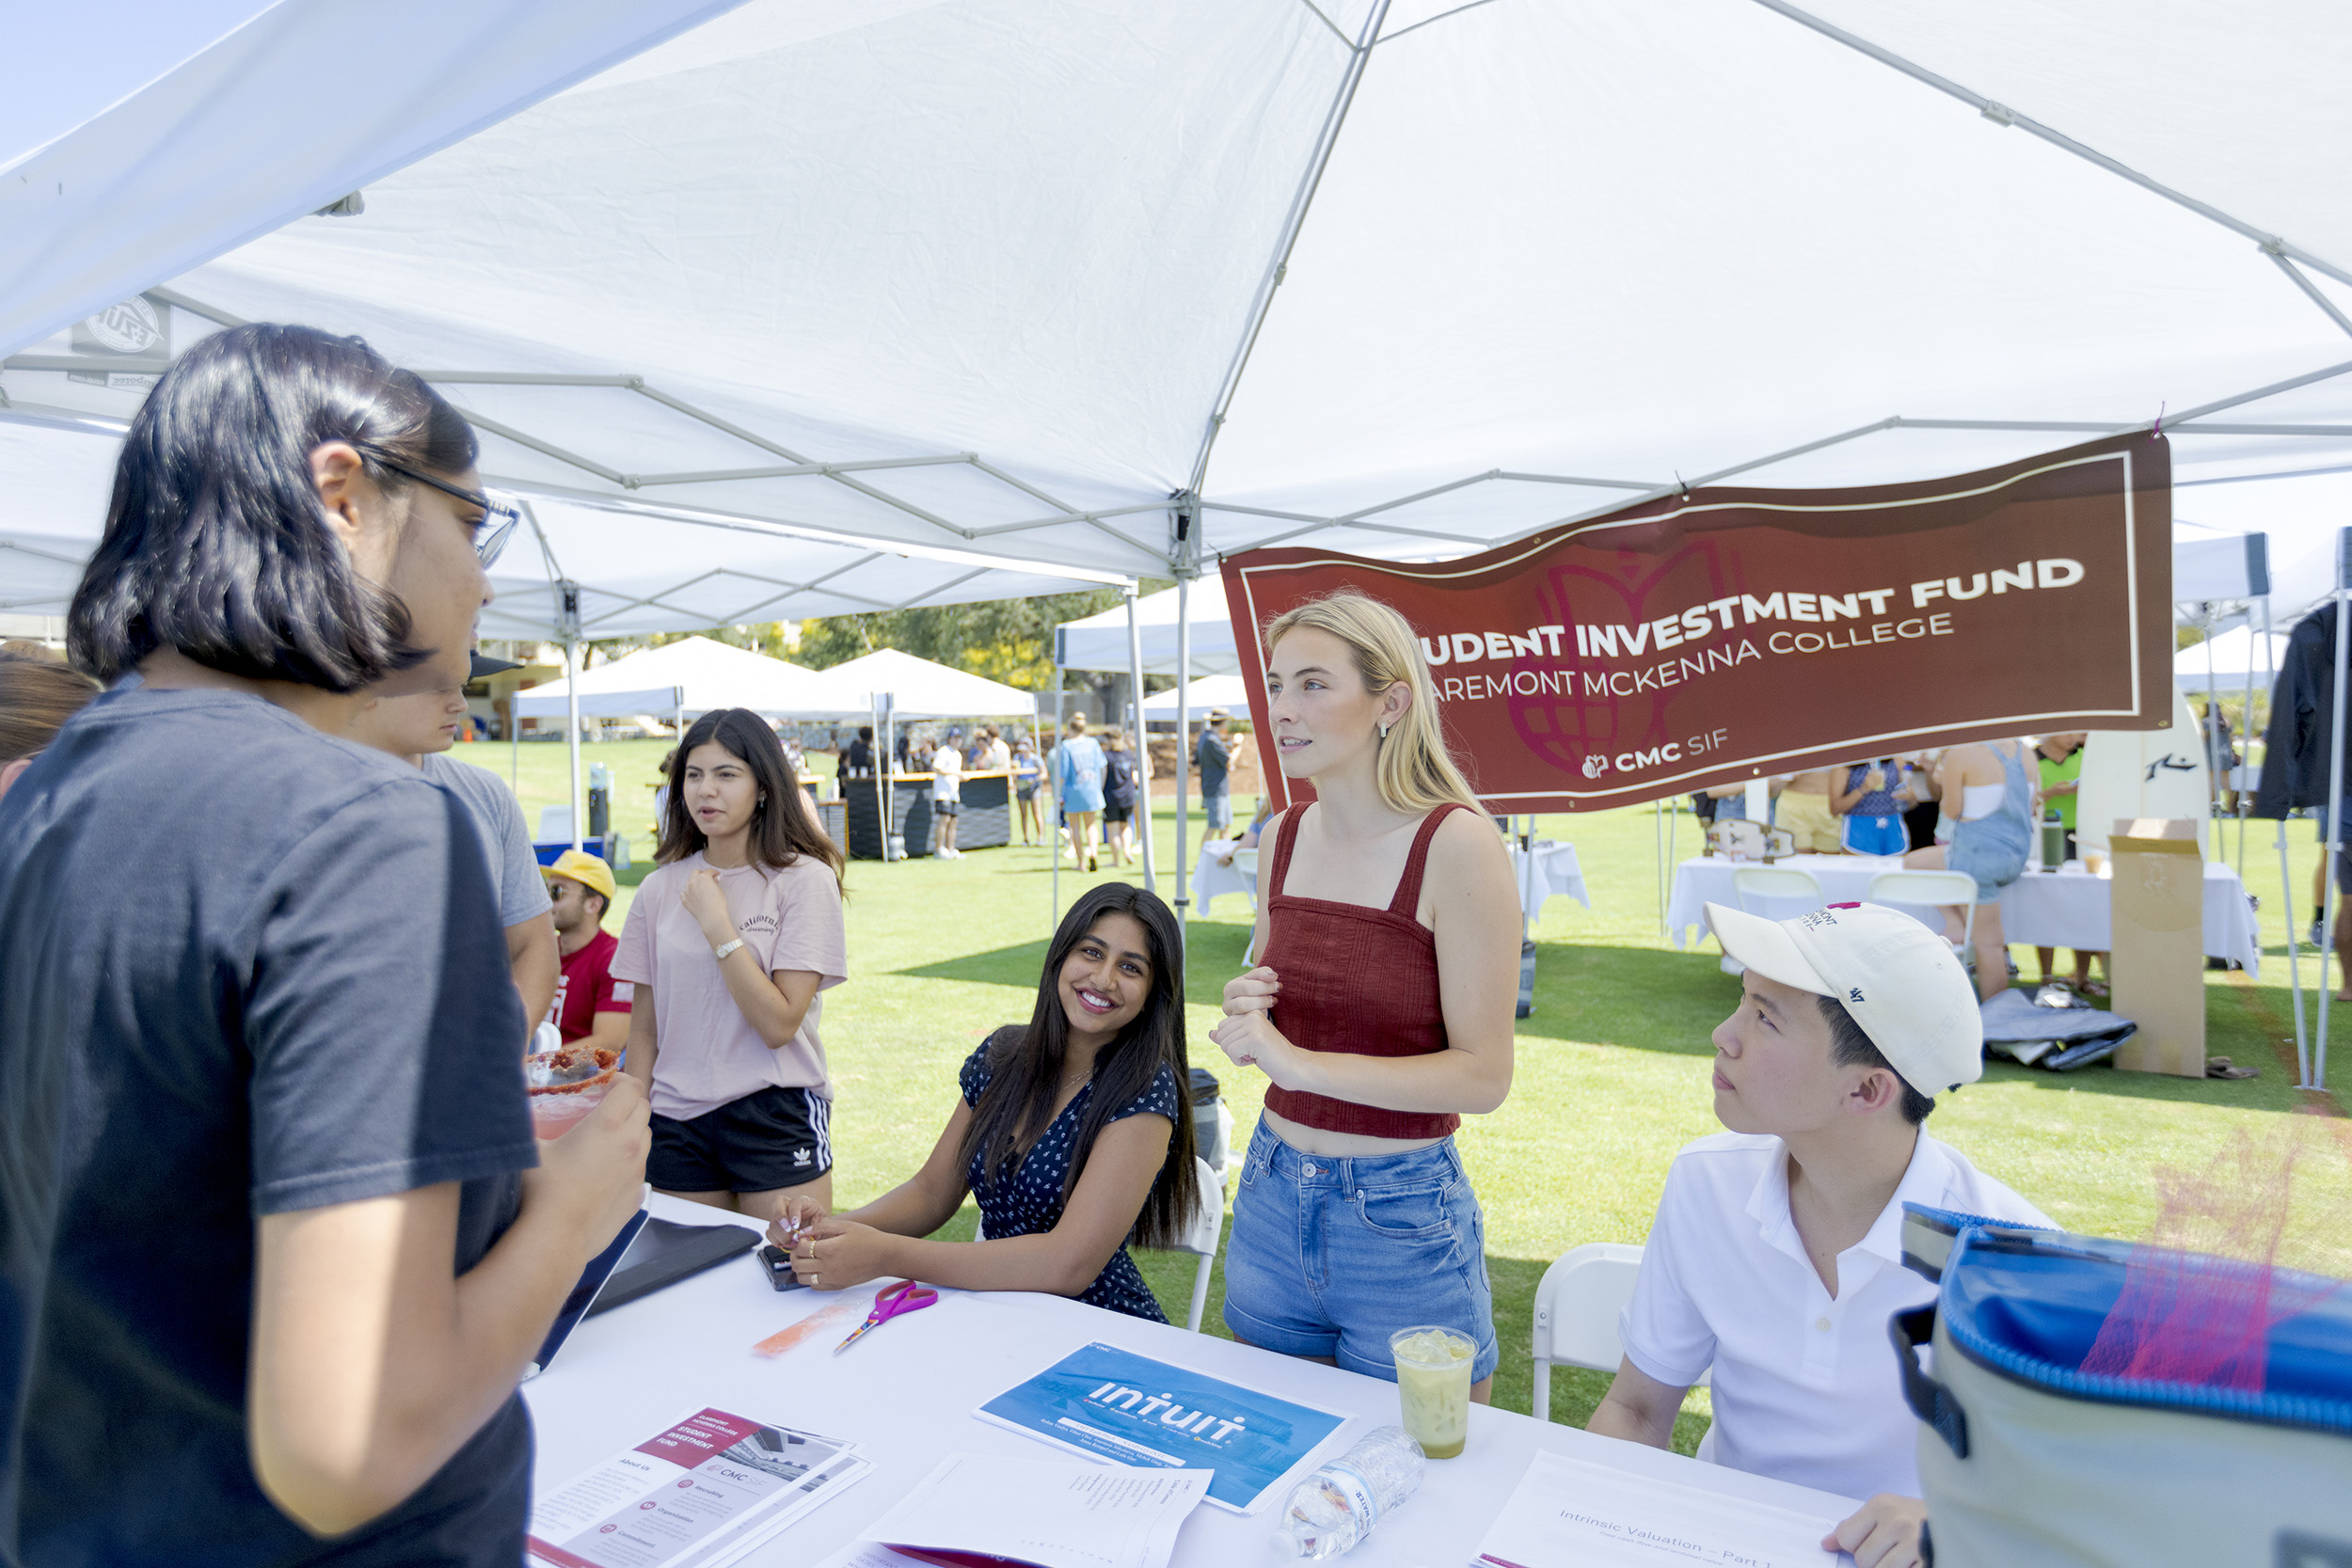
(1552, 872)
(1211, 879)
(2041, 908)
(907, 1391)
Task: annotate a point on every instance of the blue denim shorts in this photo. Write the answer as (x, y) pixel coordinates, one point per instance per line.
(1329, 1257)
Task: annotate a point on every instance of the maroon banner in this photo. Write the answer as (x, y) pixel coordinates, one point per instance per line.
(1720, 635)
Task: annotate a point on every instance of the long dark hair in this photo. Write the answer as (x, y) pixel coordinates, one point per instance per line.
(1025, 1066)
(782, 829)
(216, 543)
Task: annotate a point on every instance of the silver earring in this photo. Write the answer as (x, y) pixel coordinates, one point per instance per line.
(1384, 732)
(763, 800)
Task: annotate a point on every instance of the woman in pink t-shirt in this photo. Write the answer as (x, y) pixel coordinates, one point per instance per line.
(728, 943)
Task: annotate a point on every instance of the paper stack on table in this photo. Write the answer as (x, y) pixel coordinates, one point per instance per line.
(699, 1495)
(1046, 1513)
(1571, 1512)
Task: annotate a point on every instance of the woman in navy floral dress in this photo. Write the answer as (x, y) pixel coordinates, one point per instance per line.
(1071, 1133)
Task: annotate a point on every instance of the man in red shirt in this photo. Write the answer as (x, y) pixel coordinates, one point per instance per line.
(591, 1007)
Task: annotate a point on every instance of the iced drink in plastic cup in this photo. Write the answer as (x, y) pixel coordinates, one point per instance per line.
(1433, 1384)
(565, 1085)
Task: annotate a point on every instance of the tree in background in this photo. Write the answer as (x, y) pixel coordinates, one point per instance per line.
(1006, 639)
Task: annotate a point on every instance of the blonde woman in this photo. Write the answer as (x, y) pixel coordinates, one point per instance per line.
(1381, 1014)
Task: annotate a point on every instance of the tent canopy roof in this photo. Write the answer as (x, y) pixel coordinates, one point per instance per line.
(1405, 277)
(705, 674)
(1100, 641)
(922, 690)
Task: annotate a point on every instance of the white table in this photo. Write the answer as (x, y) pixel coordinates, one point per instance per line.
(1210, 878)
(907, 1390)
(1553, 873)
(2041, 908)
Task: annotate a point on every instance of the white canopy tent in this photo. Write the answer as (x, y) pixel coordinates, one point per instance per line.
(923, 689)
(1100, 641)
(1129, 285)
(2228, 662)
(693, 676)
(1210, 692)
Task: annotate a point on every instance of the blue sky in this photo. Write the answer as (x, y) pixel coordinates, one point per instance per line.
(66, 61)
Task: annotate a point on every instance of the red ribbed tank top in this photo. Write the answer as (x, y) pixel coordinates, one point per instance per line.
(1359, 980)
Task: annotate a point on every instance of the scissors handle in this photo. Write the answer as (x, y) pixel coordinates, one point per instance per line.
(905, 1296)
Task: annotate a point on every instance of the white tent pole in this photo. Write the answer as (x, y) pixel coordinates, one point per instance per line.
(2318, 1077)
(1143, 790)
(514, 743)
(2213, 744)
(1051, 757)
(571, 700)
(2286, 882)
(2245, 738)
(1184, 740)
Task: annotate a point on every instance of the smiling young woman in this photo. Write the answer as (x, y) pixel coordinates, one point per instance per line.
(1381, 1013)
(1072, 1133)
(728, 943)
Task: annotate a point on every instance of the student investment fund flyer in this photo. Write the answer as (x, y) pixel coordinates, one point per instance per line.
(1112, 1405)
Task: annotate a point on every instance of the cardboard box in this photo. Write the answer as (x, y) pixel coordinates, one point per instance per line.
(2158, 898)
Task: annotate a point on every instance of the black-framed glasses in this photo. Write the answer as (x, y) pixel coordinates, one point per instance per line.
(498, 518)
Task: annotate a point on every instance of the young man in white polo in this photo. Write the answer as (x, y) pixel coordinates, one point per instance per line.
(1776, 1256)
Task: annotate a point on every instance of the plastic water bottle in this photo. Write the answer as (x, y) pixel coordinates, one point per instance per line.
(1338, 1506)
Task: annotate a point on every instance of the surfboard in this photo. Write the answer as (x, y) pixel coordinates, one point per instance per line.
(2142, 773)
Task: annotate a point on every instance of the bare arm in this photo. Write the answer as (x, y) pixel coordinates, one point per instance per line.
(774, 1005)
(1842, 799)
(610, 1031)
(371, 1364)
(643, 1036)
(870, 1242)
(531, 954)
(1638, 1408)
(1475, 909)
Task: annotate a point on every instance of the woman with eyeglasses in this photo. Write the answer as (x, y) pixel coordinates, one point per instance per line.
(276, 1240)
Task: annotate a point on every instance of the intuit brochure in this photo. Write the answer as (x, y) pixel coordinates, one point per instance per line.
(1110, 1403)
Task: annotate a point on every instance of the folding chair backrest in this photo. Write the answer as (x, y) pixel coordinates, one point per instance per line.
(1923, 887)
(1207, 1224)
(1774, 882)
(1245, 860)
(1578, 1302)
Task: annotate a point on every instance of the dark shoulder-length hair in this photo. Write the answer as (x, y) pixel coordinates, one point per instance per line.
(783, 828)
(216, 544)
(1025, 1066)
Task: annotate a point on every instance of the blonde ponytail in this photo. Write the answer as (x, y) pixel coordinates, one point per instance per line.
(1416, 773)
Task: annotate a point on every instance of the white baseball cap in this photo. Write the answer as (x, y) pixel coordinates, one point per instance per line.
(1899, 980)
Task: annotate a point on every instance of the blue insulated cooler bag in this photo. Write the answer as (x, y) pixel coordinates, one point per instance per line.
(2029, 1462)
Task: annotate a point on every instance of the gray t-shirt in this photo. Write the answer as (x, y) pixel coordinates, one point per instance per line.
(522, 891)
(250, 969)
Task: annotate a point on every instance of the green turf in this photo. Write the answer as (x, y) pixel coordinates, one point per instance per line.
(1611, 1066)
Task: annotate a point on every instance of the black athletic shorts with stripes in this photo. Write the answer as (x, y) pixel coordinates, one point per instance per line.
(771, 1139)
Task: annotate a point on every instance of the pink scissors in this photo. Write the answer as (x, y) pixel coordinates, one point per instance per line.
(905, 1296)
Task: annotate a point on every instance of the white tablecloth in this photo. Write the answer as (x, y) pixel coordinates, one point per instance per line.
(907, 1391)
(2041, 908)
(1554, 874)
(1210, 879)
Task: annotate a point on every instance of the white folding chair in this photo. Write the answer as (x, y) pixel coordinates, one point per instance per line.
(1577, 1303)
(1935, 890)
(1201, 1235)
(554, 822)
(1751, 886)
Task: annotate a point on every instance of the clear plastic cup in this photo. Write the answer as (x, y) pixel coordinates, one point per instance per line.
(565, 1085)
(1432, 1386)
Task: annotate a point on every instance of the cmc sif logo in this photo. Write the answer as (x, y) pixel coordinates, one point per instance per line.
(1596, 767)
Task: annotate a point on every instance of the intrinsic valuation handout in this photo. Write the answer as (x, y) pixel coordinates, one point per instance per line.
(1567, 1511)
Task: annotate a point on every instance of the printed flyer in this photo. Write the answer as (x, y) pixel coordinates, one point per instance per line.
(698, 1495)
(1109, 1403)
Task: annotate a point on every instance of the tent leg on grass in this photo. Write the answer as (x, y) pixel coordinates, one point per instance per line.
(1143, 791)
(1184, 756)
(571, 736)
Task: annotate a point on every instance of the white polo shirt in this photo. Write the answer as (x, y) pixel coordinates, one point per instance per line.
(1806, 1388)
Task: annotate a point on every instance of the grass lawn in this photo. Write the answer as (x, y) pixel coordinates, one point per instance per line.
(1611, 1068)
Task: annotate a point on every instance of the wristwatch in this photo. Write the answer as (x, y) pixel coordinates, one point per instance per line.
(720, 953)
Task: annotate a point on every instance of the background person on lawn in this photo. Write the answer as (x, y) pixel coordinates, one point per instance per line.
(727, 944)
(1382, 1011)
